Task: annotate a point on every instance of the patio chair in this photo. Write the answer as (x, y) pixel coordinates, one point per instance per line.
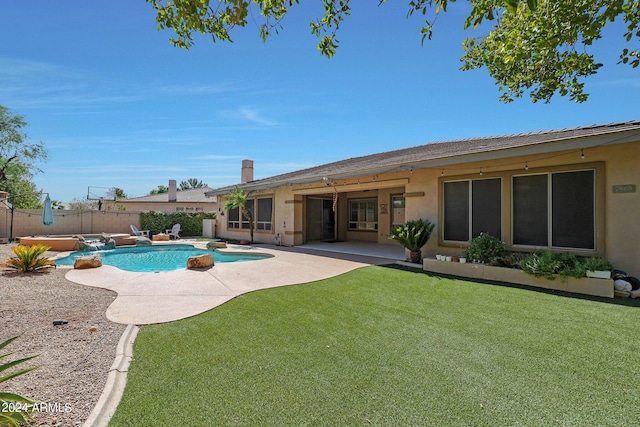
(139, 233)
(173, 233)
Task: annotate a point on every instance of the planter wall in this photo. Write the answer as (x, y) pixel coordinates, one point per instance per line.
(585, 285)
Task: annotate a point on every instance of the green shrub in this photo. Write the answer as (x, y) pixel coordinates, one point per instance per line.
(159, 222)
(413, 235)
(485, 249)
(597, 264)
(547, 264)
(28, 258)
(541, 264)
(19, 406)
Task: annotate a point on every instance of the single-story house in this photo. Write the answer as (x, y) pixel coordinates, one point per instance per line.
(192, 201)
(566, 190)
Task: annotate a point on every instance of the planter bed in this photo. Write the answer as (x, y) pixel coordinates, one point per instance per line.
(585, 285)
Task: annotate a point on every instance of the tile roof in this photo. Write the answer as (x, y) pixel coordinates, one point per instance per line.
(196, 195)
(407, 157)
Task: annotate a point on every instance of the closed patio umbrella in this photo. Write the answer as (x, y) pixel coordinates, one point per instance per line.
(47, 212)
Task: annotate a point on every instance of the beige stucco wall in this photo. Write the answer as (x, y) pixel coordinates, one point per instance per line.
(28, 222)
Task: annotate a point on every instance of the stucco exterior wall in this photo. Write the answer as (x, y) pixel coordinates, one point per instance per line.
(28, 222)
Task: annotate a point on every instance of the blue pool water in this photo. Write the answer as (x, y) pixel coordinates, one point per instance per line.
(155, 258)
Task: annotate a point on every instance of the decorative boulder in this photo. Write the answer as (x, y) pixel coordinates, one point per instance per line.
(90, 261)
(200, 261)
(143, 241)
(79, 246)
(110, 244)
(104, 237)
(216, 245)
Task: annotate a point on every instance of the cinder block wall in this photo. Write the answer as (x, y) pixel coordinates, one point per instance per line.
(28, 222)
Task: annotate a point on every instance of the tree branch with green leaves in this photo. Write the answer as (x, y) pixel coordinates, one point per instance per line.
(539, 47)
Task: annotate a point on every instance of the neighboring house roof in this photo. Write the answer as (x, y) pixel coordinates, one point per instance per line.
(437, 154)
(197, 195)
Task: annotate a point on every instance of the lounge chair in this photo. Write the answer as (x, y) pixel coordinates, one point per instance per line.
(173, 233)
(136, 232)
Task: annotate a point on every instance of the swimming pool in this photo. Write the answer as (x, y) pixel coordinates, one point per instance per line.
(156, 258)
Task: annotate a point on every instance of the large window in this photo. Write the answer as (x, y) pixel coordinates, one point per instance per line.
(363, 214)
(265, 210)
(555, 210)
(472, 207)
(263, 221)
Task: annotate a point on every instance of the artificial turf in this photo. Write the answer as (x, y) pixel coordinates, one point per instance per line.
(381, 346)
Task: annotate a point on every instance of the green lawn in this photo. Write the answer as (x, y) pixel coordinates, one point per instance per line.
(387, 347)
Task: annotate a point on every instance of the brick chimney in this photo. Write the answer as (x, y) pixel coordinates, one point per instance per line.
(247, 171)
(4, 195)
(173, 190)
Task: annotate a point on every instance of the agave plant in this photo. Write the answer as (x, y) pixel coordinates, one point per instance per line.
(28, 258)
(413, 235)
(15, 408)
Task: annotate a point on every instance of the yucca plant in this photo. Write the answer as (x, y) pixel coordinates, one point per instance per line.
(413, 235)
(28, 258)
(14, 409)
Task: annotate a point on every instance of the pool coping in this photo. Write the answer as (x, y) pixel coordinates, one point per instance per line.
(197, 245)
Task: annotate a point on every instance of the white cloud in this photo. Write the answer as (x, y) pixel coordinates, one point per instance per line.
(247, 115)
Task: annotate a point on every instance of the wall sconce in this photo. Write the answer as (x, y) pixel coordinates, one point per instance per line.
(284, 224)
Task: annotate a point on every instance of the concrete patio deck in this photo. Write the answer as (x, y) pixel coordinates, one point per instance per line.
(147, 298)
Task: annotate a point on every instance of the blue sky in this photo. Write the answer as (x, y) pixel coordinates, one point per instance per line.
(116, 105)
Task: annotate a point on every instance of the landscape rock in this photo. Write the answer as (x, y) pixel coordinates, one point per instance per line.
(143, 241)
(79, 246)
(110, 244)
(216, 245)
(200, 261)
(90, 261)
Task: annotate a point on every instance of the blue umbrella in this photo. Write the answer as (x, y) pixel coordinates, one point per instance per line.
(47, 212)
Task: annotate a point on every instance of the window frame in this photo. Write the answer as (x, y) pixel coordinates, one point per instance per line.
(242, 224)
(550, 208)
(367, 228)
(233, 224)
(266, 225)
(470, 214)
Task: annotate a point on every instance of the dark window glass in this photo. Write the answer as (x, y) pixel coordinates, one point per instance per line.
(486, 207)
(530, 213)
(573, 209)
(264, 214)
(456, 211)
(233, 220)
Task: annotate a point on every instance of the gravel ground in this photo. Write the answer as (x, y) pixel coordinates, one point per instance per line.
(73, 362)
